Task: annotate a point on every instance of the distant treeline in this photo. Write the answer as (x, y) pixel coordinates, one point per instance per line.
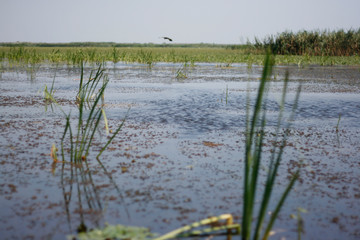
(113, 44)
(314, 43)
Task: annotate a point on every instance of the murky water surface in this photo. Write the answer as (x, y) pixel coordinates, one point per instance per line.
(179, 156)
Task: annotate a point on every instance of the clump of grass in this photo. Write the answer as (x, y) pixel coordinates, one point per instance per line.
(90, 111)
(255, 129)
(115, 55)
(181, 72)
(49, 94)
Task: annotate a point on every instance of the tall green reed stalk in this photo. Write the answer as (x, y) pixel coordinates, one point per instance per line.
(255, 129)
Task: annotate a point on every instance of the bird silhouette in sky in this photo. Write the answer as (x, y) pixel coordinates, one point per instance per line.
(167, 38)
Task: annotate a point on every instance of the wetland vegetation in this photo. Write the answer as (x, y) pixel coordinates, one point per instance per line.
(313, 43)
(181, 153)
(301, 48)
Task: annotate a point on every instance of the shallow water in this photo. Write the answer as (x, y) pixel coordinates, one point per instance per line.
(178, 158)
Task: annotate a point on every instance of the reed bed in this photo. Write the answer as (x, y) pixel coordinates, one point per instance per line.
(313, 43)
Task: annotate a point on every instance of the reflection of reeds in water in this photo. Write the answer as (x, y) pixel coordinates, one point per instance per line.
(77, 183)
(253, 155)
(78, 178)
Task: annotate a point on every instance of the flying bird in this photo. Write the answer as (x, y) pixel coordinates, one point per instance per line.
(167, 38)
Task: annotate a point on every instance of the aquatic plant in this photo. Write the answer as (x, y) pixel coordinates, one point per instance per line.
(300, 221)
(89, 97)
(181, 72)
(226, 94)
(77, 143)
(55, 56)
(255, 129)
(338, 123)
(115, 232)
(115, 55)
(49, 94)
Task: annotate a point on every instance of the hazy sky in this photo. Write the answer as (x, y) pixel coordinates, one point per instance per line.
(186, 21)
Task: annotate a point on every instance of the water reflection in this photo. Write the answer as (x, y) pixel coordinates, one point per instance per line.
(83, 195)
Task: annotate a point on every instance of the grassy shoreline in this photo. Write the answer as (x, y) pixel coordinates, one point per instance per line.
(151, 55)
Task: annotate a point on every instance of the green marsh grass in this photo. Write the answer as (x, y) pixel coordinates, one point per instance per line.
(73, 56)
(318, 43)
(146, 57)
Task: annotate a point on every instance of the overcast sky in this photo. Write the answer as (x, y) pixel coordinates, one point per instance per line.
(186, 21)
